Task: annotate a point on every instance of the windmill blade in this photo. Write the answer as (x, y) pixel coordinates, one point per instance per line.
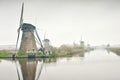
(39, 40)
(17, 39)
(21, 17)
(20, 24)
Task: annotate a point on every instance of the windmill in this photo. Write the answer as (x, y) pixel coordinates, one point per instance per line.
(28, 40)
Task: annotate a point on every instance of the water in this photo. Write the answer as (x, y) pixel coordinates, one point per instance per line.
(94, 65)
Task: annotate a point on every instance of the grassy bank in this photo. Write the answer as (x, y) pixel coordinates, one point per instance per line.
(5, 54)
(116, 50)
(62, 51)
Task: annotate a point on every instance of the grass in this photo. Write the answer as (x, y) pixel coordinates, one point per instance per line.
(21, 54)
(60, 52)
(5, 54)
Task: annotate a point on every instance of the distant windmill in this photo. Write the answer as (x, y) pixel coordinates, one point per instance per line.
(28, 41)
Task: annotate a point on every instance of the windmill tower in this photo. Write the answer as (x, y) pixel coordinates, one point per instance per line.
(28, 42)
(82, 45)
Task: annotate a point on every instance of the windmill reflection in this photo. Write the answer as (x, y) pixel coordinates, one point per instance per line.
(29, 67)
(82, 54)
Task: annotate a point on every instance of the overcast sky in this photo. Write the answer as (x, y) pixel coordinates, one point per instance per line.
(63, 21)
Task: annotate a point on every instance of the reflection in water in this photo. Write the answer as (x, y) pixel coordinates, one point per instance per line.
(117, 53)
(29, 67)
(82, 54)
(108, 50)
(95, 65)
(37, 78)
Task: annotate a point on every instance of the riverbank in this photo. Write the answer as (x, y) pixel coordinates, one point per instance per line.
(115, 50)
(63, 51)
(41, 55)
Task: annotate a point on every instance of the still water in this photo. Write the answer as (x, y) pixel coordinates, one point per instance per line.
(94, 65)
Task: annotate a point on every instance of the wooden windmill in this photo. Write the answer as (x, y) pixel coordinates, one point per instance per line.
(29, 36)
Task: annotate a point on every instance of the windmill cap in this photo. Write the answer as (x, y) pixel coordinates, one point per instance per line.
(27, 26)
(46, 40)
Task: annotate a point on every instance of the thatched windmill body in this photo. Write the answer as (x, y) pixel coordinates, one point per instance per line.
(28, 40)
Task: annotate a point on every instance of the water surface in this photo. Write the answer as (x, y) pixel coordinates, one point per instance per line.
(94, 65)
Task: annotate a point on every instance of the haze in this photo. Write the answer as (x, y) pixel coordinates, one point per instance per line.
(63, 21)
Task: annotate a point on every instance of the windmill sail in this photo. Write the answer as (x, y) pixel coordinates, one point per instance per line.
(20, 24)
(21, 18)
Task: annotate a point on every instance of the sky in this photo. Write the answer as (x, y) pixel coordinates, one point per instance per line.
(96, 22)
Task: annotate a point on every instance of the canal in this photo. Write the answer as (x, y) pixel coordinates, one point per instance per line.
(95, 65)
